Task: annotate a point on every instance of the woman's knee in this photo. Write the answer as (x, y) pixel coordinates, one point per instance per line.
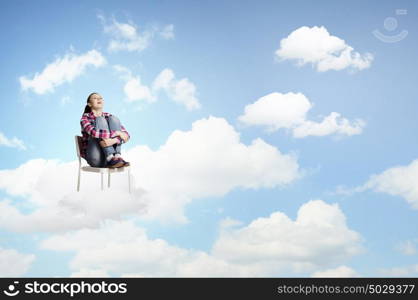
(101, 123)
(114, 123)
(113, 118)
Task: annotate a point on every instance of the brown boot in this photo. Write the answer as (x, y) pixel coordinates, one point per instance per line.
(114, 163)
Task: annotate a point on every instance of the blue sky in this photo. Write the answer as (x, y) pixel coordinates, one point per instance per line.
(182, 76)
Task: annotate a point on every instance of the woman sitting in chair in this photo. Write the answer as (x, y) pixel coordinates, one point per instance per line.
(103, 135)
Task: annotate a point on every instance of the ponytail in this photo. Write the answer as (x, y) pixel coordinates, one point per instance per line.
(87, 109)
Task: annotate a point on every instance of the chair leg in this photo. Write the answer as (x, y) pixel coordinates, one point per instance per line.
(129, 180)
(101, 179)
(78, 181)
(108, 179)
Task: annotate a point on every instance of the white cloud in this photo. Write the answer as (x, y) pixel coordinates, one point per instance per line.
(341, 271)
(127, 36)
(404, 271)
(331, 124)
(168, 32)
(324, 51)
(132, 275)
(61, 70)
(52, 204)
(13, 142)
(133, 88)
(268, 246)
(396, 181)
(65, 100)
(182, 91)
(83, 273)
(319, 228)
(136, 91)
(288, 111)
(13, 263)
(208, 161)
(408, 247)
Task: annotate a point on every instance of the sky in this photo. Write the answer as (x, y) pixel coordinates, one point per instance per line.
(268, 138)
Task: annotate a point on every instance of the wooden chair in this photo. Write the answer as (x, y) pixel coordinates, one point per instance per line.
(102, 171)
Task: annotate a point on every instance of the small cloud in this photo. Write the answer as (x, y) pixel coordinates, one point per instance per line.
(229, 223)
(324, 51)
(65, 100)
(288, 111)
(168, 32)
(345, 191)
(395, 181)
(133, 88)
(404, 271)
(182, 91)
(61, 70)
(128, 37)
(13, 142)
(408, 247)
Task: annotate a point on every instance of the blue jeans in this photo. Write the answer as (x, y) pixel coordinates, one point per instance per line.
(96, 154)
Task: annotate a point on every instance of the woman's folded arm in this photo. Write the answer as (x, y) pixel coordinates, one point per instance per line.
(89, 128)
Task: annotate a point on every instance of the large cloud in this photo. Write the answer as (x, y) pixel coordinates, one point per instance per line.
(62, 70)
(13, 263)
(288, 111)
(319, 228)
(51, 202)
(341, 271)
(83, 273)
(316, 46)
(209, 160)
(270, 246)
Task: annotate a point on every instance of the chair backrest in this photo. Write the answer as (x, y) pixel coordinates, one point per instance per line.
(78, 144)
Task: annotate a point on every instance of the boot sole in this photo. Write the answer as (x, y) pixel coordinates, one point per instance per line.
(117, 165)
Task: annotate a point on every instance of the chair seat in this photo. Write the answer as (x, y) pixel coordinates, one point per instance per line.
(104, 170)
(93, 169)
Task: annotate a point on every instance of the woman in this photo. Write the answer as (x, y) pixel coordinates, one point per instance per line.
(103, 135)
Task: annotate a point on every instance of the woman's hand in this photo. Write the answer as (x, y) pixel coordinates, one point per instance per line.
(108, 142)
(122, 135)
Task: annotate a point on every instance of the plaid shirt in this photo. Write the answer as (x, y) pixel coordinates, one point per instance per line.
(88, 122)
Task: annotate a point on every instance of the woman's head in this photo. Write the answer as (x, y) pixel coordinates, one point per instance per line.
(94, 101)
